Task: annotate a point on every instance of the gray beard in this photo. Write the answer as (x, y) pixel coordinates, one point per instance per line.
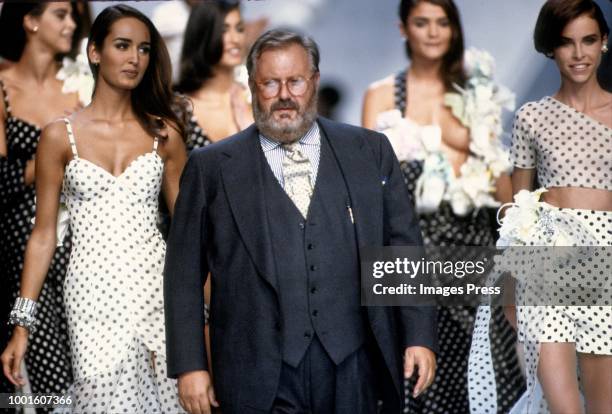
(285, 134)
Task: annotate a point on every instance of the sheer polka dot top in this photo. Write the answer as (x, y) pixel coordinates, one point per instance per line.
(567, 148)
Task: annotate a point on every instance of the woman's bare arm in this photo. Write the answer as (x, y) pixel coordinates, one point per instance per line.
(50, 163)
(175, 158)
(51, 158)
(378, 98)
(503, 189)
(522, 179)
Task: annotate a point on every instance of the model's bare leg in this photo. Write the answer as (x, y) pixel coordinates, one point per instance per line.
(559, 378)
(596, 377)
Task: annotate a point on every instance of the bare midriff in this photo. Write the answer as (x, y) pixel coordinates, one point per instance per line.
(579, 197)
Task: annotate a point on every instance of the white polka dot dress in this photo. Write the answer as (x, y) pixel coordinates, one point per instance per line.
(113, 288)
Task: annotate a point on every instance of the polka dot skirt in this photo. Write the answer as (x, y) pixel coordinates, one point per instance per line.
(113, 289)
(48, 356)
(588, 327)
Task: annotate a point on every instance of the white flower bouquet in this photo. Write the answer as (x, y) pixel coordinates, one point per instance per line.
(479, 107)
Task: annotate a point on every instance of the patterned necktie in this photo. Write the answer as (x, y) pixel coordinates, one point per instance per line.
(296, 175)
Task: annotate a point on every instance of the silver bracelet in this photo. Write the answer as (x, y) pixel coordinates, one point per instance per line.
(206, 314)
(24, 314)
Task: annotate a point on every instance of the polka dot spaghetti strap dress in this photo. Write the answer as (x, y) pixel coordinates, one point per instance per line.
(48, 358)
(113, 288)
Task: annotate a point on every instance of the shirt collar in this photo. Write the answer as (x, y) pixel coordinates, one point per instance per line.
(312, 137)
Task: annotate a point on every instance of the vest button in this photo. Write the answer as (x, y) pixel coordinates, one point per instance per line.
(310, 246)
(313, 290)
(302, 225)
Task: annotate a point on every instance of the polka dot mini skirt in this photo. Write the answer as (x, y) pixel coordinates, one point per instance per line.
(589, 327)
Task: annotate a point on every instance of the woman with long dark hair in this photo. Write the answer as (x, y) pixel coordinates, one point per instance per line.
(110, 161)
(213, 48)
(34, 36)
(564, 142)
(434, 145)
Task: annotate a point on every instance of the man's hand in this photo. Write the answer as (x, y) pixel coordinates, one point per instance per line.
(425, 360)
(196, 393)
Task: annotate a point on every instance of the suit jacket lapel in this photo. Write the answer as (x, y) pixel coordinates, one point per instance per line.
(243, 182)
(362, 179)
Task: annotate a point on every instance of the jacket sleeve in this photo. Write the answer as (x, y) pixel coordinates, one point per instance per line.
(418, 324)
(185, 273)
(12, 179)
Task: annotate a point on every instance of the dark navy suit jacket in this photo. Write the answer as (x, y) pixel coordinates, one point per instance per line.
(219, 227)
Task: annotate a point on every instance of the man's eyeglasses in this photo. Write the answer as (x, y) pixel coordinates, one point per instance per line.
(271, 88)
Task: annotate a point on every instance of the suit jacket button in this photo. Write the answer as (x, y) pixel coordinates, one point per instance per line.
(315, 312)
(307, 334)
(310, 246)
(313, 267)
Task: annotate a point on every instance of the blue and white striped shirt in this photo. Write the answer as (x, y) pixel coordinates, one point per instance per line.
(310, 145)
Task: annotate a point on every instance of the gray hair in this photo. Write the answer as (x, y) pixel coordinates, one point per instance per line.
(278, 39)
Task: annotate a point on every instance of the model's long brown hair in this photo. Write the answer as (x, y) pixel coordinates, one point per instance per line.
(203, 43)
(152, 100)
(452, 69)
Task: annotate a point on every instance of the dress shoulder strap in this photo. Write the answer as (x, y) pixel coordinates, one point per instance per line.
(399, 91)
(7, 105)
(71, 137)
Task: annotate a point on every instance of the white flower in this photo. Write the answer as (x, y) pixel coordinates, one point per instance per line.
(77, 77)
(460, 202)
(401, 135)
(505, 98)
(479, 63)
(529, 199)
(429, 193)
(520, 222)
(481, 137)
(241, 75)
(499, 163)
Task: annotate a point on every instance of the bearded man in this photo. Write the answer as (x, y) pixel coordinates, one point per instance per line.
(277, 215)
